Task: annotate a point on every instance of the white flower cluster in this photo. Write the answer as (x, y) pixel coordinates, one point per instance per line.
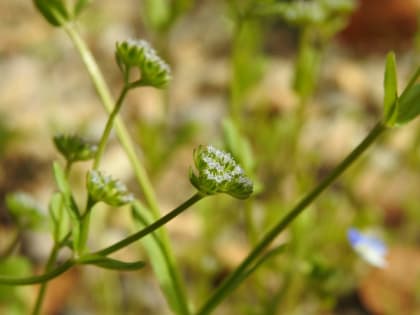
(218, 172)
(106, 189)
(139, 53)
(221, 167)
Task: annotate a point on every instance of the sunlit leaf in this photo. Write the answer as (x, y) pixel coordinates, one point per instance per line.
(390, 89)
(409, 105)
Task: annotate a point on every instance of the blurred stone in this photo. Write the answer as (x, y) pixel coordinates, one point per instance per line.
(395, 289)
(382, 25)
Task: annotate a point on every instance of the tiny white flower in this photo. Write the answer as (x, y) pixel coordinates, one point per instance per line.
(370, 248)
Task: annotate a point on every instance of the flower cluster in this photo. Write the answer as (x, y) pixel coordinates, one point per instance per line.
(74, 148)
(219, 173)
(104, 188)
(139, 54)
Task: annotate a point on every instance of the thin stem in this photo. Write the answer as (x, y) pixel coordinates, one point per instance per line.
(4, 280)
(121, 131)
(232, 281)
(152, 227)
(108, 127)
(42, 290)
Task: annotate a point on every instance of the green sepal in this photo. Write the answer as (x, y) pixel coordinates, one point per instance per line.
(109, 263)
(25, 210)
(54, 11)
(74, 148)
(390, 90)
(408, 105)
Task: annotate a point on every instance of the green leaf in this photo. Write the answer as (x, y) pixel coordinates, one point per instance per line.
(54, 11)
(25, 210)
(80, 6)
(390, 90)
(109, 263)
(65, 189)
(408, 105)
(157, 14)
(306, 69)
(159, 258)
(69, 202)
(238, 145)
(59, 218)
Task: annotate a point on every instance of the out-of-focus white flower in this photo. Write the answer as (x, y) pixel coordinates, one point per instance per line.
(370, 248)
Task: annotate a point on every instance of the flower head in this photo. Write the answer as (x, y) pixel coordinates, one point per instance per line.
(218, 172)
(370, 248)
(139, 54)
(74, 148)
(104, 188)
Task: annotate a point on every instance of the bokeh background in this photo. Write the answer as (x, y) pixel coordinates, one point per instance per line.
(219, 72)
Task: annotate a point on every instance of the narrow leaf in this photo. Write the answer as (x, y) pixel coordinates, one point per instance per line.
(59, 218)
(390, 89)
(109, 263)
(409, 105)
(53, 11)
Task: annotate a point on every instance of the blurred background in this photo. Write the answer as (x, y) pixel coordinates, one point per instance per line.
(288, 93)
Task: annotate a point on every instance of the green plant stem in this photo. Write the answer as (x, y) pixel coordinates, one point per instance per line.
(232, 281)
(121, 131)
(41, 278)
(43, 288)
(108, 127)
(150, 228)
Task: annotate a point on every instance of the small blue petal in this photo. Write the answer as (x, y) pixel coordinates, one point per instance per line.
(370, 248)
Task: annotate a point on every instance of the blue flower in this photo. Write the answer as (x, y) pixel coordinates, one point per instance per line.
(370, 248)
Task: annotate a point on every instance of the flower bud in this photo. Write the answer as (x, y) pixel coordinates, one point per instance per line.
(104, 188)
(139, 54)
(74, 148)
(219, 173)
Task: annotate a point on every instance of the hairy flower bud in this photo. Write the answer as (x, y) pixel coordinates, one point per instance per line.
(219, 173)
(139, 54)
(74, 148)
(104, 188)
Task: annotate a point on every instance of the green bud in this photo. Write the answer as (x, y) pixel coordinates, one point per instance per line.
(104, 188)
(218, 172)
(139, 54)
(74, 148)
